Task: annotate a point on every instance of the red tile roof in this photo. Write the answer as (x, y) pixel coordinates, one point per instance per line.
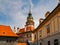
(22, 44)
(22, 30)
(6, 31)
(29, 28)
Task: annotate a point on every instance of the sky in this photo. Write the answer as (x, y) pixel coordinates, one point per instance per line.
(15, 12)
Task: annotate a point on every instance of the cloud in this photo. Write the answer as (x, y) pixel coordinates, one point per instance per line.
(18, 10)
(41, 8)
(13, 9)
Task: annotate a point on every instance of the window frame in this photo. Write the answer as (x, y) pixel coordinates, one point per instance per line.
(56, 42)
(48, 28)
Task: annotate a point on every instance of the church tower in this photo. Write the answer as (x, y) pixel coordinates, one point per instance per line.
(30, 22)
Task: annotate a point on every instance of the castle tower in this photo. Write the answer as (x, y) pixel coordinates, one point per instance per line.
(30, 22)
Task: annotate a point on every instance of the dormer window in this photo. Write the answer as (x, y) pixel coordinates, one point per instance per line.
(3, 32)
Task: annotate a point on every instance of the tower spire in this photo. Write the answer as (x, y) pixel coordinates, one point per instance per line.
(30, 20)
(29, 14)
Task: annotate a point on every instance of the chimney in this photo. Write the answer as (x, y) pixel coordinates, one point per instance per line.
(17, 29)
(47, 13)
(41, 20)
(14, 29)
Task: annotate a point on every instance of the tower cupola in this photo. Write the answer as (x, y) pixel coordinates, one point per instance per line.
(30, 20)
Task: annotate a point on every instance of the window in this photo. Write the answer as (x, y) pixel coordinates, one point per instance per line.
(48, 28)
(10, 41)
(29, 35)
(40, 33)
(35, 36)
(48, 42)
(56, 42)
(7, 41)
(3, 32)
(40, 43)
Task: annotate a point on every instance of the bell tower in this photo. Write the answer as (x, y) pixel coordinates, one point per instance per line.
(30, 22)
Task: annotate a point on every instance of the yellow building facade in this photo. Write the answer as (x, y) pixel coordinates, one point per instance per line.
(49, 28)
(53, 21)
